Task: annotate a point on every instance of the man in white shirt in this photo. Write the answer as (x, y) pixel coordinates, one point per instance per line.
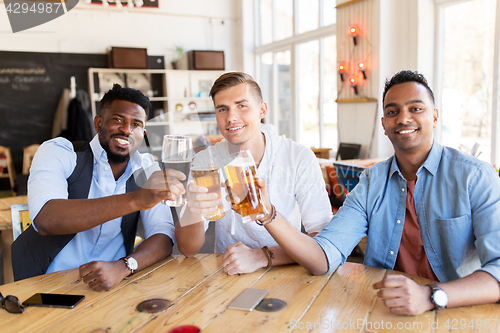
(85, 203)
(290, 182)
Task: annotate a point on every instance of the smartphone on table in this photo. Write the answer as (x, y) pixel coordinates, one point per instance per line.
(66, 301)
(248, 299)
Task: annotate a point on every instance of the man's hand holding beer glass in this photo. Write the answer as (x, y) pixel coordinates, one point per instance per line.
(239, 258)
(204, 202)
(161, 186)
(190, 231)
(200, 201)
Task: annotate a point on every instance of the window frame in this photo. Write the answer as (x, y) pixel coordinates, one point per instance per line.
(439, 69)
(291, 44)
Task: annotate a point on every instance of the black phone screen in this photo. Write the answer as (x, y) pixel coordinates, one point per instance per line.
(54, 300)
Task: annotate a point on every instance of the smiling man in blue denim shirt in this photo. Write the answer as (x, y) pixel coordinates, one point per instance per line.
(455, 199)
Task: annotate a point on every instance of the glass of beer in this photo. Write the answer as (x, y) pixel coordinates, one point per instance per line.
(177, 152)
(244, 194)
(211, 179)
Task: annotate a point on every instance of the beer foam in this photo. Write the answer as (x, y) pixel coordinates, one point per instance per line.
(241, 162)
(202, 168)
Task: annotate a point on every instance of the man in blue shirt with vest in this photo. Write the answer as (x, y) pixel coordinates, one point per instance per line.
(429, 210)
(85, 201)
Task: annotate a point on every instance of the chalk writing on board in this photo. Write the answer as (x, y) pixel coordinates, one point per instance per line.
(23, 71)
(20, 79)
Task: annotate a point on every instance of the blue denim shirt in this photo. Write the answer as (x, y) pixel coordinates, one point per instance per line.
(53, 163)
(457, 200)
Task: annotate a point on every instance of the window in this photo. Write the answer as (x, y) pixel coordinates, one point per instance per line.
(309, 93)
(283, 60)
(284, 19)
(467, 75)
(329, 85)
(266, 21)
(296, 62)
(308, 15)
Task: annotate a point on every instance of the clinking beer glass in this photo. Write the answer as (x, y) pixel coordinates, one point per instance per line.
(176, 154)
(210, 178)
(244, 193)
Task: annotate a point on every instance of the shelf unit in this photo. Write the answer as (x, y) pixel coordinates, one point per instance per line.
(179, 98)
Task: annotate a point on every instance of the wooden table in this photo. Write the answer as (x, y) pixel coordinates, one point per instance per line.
(200, 292)
(6, 233)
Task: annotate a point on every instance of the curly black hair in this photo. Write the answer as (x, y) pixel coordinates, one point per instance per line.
(125, 94)
(407, 76)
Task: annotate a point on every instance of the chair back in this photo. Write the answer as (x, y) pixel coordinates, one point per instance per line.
(20, 219)
(348, 151)
(28, 153)
(11, 172)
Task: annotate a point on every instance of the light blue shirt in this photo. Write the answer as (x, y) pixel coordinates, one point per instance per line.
(457, 200)
(53, 163)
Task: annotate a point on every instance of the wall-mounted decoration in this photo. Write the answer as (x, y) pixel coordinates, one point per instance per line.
(354, 51)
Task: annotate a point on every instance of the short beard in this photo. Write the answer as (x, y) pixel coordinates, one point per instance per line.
(112, 157)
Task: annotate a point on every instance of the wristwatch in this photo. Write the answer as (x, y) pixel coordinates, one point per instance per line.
(131, 264)
(438, 296)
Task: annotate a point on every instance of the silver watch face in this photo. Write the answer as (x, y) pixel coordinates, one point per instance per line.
(132, 263)
(440, 298)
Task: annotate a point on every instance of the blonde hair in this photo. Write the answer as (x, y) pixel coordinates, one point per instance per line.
(232, 79)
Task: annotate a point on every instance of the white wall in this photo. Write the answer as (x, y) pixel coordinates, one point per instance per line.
(192, 24)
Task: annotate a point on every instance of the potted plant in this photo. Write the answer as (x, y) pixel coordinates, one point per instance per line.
(179, 51)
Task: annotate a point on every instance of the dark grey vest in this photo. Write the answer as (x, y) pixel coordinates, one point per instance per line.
(32, 253)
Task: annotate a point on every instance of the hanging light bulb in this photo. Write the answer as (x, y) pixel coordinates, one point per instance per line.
(354, 85)
(354, 34)
(362, 69)
(341, 72)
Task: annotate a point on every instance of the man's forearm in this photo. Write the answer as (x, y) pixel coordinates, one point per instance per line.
(281, 257)
(152, 250)
(298, 247)
(477, 288)
(68, 216)
(190, 238)
(103, 275)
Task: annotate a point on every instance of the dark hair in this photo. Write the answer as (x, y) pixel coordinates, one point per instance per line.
(125, 94)
(407, 76)
(232, 79)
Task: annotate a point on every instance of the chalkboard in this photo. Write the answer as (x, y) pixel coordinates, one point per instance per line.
(31, 85)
